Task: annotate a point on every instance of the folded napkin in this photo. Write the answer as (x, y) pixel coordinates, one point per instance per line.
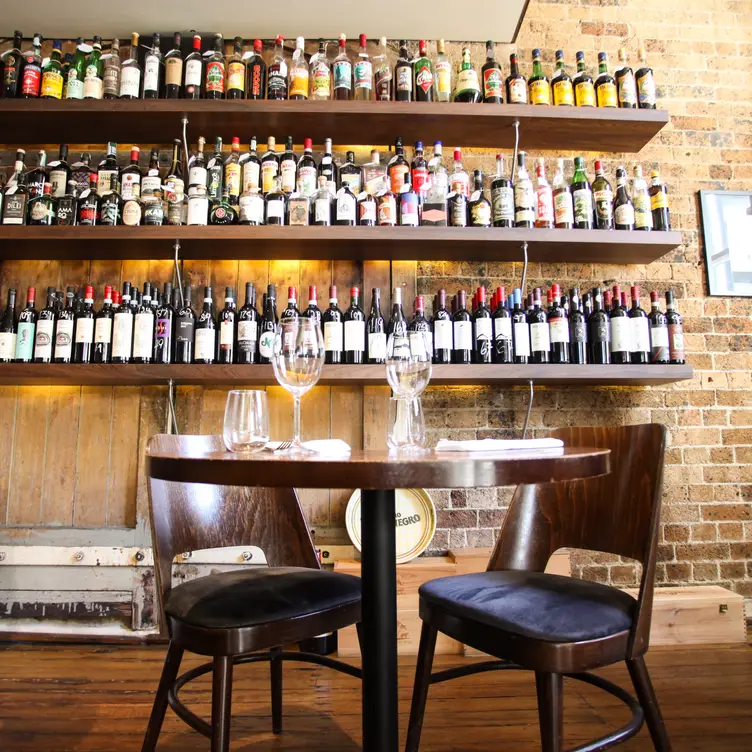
(496, 445)
(327, 447)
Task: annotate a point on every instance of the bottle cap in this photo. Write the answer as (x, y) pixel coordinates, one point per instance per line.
(107, 292)
(602, 57)
(598, 165)
(457, 155)
(89, 292)
(342, 40)
(257, 45)
(308, 143)
(311, 293)
(418, 146)
(279, 40)
(300, 42)
(559, 54)
(419, 305)
(580, 56)
(235, 143)
(555, 290)
(654, 296)
(536, 53)
(354, 292)
(292, 293)
(333, 292)
(634, 291)
(363, 40)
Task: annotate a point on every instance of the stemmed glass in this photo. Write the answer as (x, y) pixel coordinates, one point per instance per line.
(408, 371)
(298, 358)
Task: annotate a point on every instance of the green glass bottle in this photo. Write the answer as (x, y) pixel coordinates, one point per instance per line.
(52, 76)
(582, 195)
(75, 81)
(468, 88)
(94, 73)
(538, 84)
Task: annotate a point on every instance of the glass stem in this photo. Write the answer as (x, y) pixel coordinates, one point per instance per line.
(296, 421)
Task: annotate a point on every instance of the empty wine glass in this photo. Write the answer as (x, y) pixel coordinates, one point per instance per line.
(406, 428)
(298, 359)
(246, 424)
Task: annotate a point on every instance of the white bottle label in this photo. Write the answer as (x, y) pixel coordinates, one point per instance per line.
(143, 332)
(323, 210)
(503, 328)
(333, 336)
(93, 85)
(130, 186)
(307, 180)
(640, 334)
(355, 336)
(193, 73)
(251, 173)
(421, 344)
(621, 334)
(275, 209)
(122, 335)
(151, 73)
(266, 344)
(624, 215)
(43, 341)
(64, 338)
(483, 329)
(442, 335)
(463, 335)
(198, 210)
(559, 330)
(345, 207)
(226, 333)
(84, 330)
(377, 345)
(197, 175)
(247, 331)
(659, 336)
(287, 172)
(521, 339)
(205, 340)
(539, 339)
(151, 183)
(130, 82)
(103, 331)
(8, 345)
(252, 208)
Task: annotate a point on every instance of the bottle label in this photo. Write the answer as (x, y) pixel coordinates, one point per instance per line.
(518, 91)
(640, 334)
(298, 211)
(524, 200)
(130, 82)
(52, 84)
(521, 339)
(578, 331)
(247, 335)
(130, 185)
(269, 170)
(467, 80)
(363, 75)
(676, 341)
(103, 330)
(278, 80)
(215, 79)
(424, 77)
(583, 205)
(197, 175)
(463, 335)
(57, 181)
(563, 93)
(585, 94)
(355, 336)
(419, 176)
(108, 180)
(646, 89)
(559, 329)
(444, 78)
(84, 330)
(252, 209)
(299, 81)
(405, 78)
(540, 340)
(236, 76)
(480, 214)
(205, 342)
(397, 175)
(627, 90)
(75, 87)
(342, 74)
(483, 329)
(43, 339)
(377, 345)
(624, 214)
(152, 184)
(32, 75)
(544, 204)
(132, 213)
(367, 212)
(333, 336)
(64, 339)
(306, 180)
(41, 212)
(275, 210)
(198, 210)
(184, 329)
(345, 207)
(153, 211)
(10, 74)
(122, 334)
(352, 180)
(659, 201)
(540, 92)
(421, 343)
(387, 210)
(643, 216)
(226, 334)
(173, 70)
(93, 84)
(409, 210)
(502, 199)
(621, 334)
(7, 346)
(192, 74)
(503, 329)
(492, 83)
(460, 183)
(321, 83)
(232, 179)
(322, 210)
(563, 209)
(251, 172)
(458, 209)
(287, 172)
(604, 204)
(659, 337)
(606, 93)
(143, 332)
(442, 335)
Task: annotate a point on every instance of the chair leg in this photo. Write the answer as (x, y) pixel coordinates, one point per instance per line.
(646, 695)
(426, 650)
(275, 667)
(221, 703)
(550, 710)
(359, 629)
(169, 674)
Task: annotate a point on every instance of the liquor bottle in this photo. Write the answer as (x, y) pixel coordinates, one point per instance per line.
(419, 169)
(374, 174)
(288, 167)
(563, 205)
(214, 71)
(122, 328)
(603, 198)
(130, 73)
(462, 330)
(153, 70)
(103, 323)
(459, 180)
(540, 339)
(109, 172)
(223, 212)
(36, 178)
(215, 172)
(173, 69)
(367, 210)
(232, 172)
(45, 331)
(350, 174)
(298, 85)
(31, 69)
(483, 338)
(605, 85)
(620, 330)
(599, 331)
(584, 90)
(185, 327)
(88, 204)
(645, 83)
(42, 208)
(197, 175)
(205, 344)
(275, 211)
(164, 326)
(578, 349)
(277, 83)
(83, 341)
(434, 210)
(354, 321)
(516, 83)
(320, 74)
(321, 205)
(419, 332)
(403, 75)
(376, 330)
(424, 75)
(52, 77)
(478, 206)
(94, 72)
(397, 326)
(8, 328)
(409, 205)
(544, 198)
(198, 206)
(468, 88)
(235, 72)
(298, 210)
(246, 351)
(382, 72)
(328, 168)
(625, 83)
(342, 71)
(143, 328)
(12, 61)
(521, 330)
(524, 195)
(59, 172)
(194, 71)
(250, 165)
(443, 70)
(441, 324)
(227, 328)
(493, 83)
(345, 213)
(624, 213)
(398, 168)
(640, 352)
(133, 211)
(268, 325)
(457, 209)
(151, 180)
(130, 177)
(659, 202)
(641, 201)
(269, 166)
(63, 352)
(538, 84)
(65, 207)
(363, 73)
(659, 352)
(333, 329)
(675, 331)
(74, 82)
(561, 83)
(558, 325)
(386, 207)
(15, 194)
(582, 196)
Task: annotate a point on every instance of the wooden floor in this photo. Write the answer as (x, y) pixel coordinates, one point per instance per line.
(61, 698)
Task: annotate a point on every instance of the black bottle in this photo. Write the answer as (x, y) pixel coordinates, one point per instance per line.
(478, 206)
(598, 331)
(577, 329)
(354, 320)
(502, 329)
(45, 331)
(558, 326)
(103, 324)
(227, 328)
(540, 340)
(376, 330)
(268, 325)
(462, 322)
(246, 350)
(658, 332)
(482, 330)
(83, 343)
(333, 329)
(163, 327)
(638, 319)
(441, 323)
(621, 330)
(403, 76)
(185, 326)
(521, 330)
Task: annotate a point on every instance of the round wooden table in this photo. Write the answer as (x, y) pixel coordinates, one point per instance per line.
(378, 474)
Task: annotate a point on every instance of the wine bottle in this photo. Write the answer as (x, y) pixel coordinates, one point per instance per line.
(27, 322)
(45, 333)
(599, 330)
(482, 330)
(8, 329)
(205, 343)
(462, 328)
(638, 319)
(185, 329)
(83, 343)
(64, 329)
(521, 330)
(577, 329)
(268, 325)
(376, 330)
(247, 334)
(143, 328)
(558, 326)
(443, 341)
(122, 328)
(291, 312)
(540, 341)
(103, 321)
(675, 331)
(227, 328)
(354, 321)
(502, 329)
(419, 332)
(163, 327)
(621, 330)
(333, 329)
(659, 352)
(313, 311)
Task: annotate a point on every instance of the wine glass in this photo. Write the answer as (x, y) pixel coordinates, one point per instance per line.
(298, 358)
(246, 424)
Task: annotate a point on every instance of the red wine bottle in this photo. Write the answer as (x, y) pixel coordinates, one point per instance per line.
(103, 322)
(558, 326)
(443, 340)
(540, 342)
(227, 328)
(675, 331)
(482, 330)
(8, 330)
(333, 329)
(268, 325)
(599, 333)
(621, 331)
(638, 320)
(246, 350)
(462, 322)
(185, 329)
(83, 344)
(143, 328)
(45, 333)
(659, 352)
(163, 327)
(354, 320)
(205, 343)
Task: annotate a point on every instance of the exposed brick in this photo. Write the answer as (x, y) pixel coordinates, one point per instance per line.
(703, 532)
(623, 575)
(741, 550)
(702, 551)
(705, 572)
(731, 531)
(733, 570)
(678, 572)
(676, 533)
(458, 497)
(727, 512)
(456, 518)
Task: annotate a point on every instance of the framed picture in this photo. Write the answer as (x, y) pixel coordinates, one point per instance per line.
(727, 227)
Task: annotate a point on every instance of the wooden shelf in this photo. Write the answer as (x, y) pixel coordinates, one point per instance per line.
(366, 243)
(377, 123)
(140, 375)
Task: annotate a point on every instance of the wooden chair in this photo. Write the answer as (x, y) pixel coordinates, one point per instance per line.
(560, 626)
(230, 615)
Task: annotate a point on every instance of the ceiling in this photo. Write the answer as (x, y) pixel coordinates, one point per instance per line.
(394, 19)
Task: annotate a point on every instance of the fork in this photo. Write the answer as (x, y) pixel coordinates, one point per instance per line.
(284, 445)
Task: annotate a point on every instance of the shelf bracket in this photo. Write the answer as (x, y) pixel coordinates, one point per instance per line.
(171, 421)
(177, 276)
(524, 268)
(529, 407)
(516, 125)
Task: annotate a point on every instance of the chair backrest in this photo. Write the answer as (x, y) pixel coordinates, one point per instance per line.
(195, 516)
(618, 513)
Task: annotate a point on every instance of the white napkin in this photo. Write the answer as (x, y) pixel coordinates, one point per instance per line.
(496, 445)
(327, 447)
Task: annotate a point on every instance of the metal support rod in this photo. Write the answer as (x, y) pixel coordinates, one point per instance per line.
(172, 421)
(529, 408)
(524, 269)
(177, 275)
(516, 125)
(184, 121)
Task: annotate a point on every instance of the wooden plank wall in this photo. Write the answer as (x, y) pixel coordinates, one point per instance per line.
(73, 456)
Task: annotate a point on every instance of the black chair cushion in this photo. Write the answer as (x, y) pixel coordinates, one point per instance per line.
(250, 597)
(535, 605)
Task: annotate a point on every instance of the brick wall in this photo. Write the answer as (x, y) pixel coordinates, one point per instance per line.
(701, 51)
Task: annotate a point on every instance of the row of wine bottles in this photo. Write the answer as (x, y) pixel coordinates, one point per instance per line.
(156, 326)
